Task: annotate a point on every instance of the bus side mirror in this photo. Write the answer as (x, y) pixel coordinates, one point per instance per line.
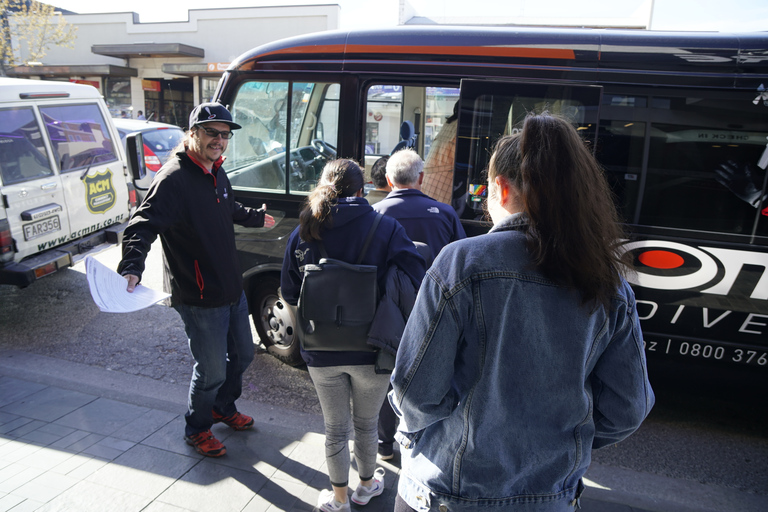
(134, 148)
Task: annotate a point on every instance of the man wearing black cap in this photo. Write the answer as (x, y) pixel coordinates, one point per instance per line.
(191, 207)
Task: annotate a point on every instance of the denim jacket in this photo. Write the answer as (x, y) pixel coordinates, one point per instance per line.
(504, 382)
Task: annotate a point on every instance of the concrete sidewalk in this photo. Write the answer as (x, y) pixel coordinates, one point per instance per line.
(78, 438)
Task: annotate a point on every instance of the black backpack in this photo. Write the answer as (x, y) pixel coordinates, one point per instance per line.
(338, 301)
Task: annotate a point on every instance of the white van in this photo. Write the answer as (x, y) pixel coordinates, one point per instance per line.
(64, 184)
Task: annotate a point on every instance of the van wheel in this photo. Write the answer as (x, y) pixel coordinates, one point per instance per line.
(275, 321)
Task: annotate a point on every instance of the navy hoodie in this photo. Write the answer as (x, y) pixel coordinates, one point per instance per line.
(352, 218)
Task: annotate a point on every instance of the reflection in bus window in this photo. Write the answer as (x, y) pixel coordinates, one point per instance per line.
(490, 110)
(328, 120)
(384, 114)
(22, 154)
(314, 133)
(79, 136)
(620, 152)
(702, 165)
(440, 142)
(273, 149)
(440, 103)
(621, 100)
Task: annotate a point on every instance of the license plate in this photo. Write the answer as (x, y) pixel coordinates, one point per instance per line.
(707, 351)
(41, 227)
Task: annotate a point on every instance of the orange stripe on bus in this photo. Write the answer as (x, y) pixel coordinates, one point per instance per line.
(493, 51)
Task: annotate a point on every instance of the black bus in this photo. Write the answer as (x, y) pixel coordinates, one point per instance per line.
(678, 120)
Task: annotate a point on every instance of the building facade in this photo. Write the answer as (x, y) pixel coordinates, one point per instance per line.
(164, 69)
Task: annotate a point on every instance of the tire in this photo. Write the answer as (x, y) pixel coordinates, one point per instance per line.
(275, 321)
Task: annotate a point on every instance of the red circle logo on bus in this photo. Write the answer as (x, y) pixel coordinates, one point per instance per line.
(661, 259)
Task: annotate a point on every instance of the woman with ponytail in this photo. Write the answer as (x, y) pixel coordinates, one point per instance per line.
(523, 351)
(337, 215)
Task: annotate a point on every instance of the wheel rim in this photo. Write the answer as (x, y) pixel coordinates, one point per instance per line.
(277, 322)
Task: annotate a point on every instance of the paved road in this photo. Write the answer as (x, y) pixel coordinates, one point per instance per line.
(716, 435)
(56, 317)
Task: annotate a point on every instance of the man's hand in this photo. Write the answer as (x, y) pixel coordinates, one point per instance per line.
(132, 282)
(269, 221)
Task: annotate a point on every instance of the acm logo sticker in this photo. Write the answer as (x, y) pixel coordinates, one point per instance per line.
(99, 193)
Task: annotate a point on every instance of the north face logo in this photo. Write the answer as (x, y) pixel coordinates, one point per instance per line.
(433, 209)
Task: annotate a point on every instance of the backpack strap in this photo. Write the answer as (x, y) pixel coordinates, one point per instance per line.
(369, 237)
(322, 249)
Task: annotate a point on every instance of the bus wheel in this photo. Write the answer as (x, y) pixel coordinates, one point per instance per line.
(275, 322)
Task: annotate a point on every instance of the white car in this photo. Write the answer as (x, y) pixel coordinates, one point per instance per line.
(63, 179)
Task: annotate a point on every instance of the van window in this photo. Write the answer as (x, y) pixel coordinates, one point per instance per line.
(79, 136)
(22, 154)
(702, 164)
(490, 110)
(281, 150)
(383, 118)
(440, 103)
(620, 151)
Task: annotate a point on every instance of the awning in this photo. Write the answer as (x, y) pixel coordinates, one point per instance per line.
(127, 51)
(75, 70)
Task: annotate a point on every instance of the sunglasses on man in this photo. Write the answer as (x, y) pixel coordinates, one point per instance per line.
(215, 133)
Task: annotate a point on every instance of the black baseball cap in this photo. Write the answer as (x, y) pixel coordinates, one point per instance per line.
(211, 113)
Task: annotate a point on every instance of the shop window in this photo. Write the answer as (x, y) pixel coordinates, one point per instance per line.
(208, 89)
(117, 94)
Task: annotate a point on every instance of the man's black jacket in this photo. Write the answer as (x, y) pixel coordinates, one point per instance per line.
(193, 211)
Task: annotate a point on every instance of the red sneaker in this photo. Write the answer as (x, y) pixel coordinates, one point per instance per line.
(236, 421)
(206, 444)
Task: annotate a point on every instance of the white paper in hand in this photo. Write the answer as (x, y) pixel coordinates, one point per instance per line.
(109, 290)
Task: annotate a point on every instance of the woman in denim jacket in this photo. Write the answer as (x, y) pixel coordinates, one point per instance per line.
(523, 351)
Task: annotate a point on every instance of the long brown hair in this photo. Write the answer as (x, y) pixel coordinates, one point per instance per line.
(574, 230)
(340, 178)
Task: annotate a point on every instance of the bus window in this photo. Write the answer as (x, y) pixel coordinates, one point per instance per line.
(620, 152)
(388, 106)
(440, 142)
(702, 165)
(289, 131)
(440, 103)
(328, 120)
(384, 114)
(490, 110)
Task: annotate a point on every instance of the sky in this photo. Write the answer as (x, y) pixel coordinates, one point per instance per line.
(710, 15)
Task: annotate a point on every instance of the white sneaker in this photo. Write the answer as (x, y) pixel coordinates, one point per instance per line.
(363, 494)
(327, 503)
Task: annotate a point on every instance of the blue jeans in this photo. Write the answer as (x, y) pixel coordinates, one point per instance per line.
(221, 343)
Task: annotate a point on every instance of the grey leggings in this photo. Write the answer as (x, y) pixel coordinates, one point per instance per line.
(335, 386)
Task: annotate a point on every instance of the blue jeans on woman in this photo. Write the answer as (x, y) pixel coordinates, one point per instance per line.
(221, 343)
